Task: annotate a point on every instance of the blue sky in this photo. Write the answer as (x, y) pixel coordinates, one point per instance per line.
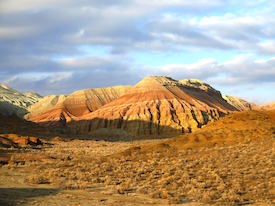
(50, 46)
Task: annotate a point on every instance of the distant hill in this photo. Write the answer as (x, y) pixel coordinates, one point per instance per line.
(240, 104)
(270, 106)
(43, 105)
(14, 102)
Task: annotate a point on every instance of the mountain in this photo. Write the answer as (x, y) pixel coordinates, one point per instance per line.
(158, 106)
(269, 106)
(43, 105)
(33, 95)
(79, 103)
(240, 104)
(205, 93)
(14, 102)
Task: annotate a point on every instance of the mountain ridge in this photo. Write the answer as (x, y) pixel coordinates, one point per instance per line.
(15, 102)
(241, 104)
(156, 105)
(78, 103)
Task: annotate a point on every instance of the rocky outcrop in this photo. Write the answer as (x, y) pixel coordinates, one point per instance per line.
(157, 106)
(240, 104)
(198, 84)
(17, 129)
(14, 102)
(7, 143)
(18, 141)
(77, 104)
(207, 94)
(25, 141)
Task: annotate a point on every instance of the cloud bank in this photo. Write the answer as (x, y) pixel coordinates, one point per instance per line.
(61, 46)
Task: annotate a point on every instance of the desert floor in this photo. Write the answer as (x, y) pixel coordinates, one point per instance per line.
(145, 172)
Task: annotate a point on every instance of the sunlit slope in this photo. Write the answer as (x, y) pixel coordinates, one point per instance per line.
(43, 105)
(157, 105)
(233, 129)
(270, 106)
(77, 104)
(241, 104)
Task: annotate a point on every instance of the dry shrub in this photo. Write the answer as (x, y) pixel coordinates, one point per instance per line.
(144, 189)
(124, 187)
(108, 180)
(37, 179)
(164, 194)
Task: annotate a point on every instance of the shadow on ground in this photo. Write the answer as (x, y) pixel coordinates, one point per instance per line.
(20, 196)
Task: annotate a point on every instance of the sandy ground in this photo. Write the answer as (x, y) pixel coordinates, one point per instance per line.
(15, 191)
(23, 164)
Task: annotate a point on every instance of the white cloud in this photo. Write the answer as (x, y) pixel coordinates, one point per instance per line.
(267, 47)
(241, 70)
(190, 69)
(126, 26)
(245, 76)
(194, 5)
(61, 76)
(35, 35)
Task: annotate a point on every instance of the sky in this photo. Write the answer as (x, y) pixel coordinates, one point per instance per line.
(57, 47)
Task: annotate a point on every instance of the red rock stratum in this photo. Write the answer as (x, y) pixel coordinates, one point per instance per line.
(79, 103)
(158, 106)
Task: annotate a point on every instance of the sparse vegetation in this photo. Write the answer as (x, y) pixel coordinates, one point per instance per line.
(232, 175)
(226, 166)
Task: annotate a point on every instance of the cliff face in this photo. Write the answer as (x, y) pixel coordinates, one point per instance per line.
(240, 104)
(157, 106)
(76, 104)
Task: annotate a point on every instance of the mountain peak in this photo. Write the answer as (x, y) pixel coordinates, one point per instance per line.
(158, 80)
(6, 89)
(5, 86)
